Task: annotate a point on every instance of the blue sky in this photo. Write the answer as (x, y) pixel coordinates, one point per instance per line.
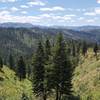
(51, 12)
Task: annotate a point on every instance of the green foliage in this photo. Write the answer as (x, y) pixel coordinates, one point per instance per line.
(47, 50)
(48, 67)
(21, 71)
(11, 88)
(86, 78)
(11, 62)
(95, 49)
(51, 70)
(84, 48)
(38, 72)
(62, 69)
(24, 97)
(74, 50)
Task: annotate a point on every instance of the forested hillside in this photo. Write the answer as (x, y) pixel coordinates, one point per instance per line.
(23, 40)
(49, 64)
(86, 82)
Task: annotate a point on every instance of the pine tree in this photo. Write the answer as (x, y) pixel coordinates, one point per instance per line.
(5, 60)
(39, 73)
(62, 70)
(21, 72)
(95, 49)
(47, 49)
(11, 62)
(84, 48)
(48, 68)
(73, 50)
(29, 71)
(78, 48)
(1, 63)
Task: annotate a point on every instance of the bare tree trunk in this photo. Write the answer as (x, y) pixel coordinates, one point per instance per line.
(57, 94)
(60, 96)
(44, 97)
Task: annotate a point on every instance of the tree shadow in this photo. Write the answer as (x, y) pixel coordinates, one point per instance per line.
(72, 97)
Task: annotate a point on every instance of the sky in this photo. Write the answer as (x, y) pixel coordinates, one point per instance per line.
(51, 12)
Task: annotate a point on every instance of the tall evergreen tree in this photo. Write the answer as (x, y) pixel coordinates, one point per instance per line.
(21, 71)
(11, 62)
(47, 49)
(5, 60)
(62, 70)
(1, 63)
(78, 48)
(84, 48)
(95, 49)
(73, 50)
(48, 68)
(29, 71)
(39, 73)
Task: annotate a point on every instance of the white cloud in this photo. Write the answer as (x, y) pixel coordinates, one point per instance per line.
(83, 10)
(56, 17)
(24, 6)
(94, 12)
(81, 18)
(66, 18)
(8, 0)
(24, 12)
(46, 15)
(72, 15)
(97, 10)
(90, 13)
(36, 3)
(98, 1)
(14, 9)
(70, 9)
(23, 19)
(90, 21)
(3, 13)
(78, 10)
(57, 8)
(5, 16)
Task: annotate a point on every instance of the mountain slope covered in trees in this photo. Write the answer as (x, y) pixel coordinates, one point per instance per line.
(86, 81)
(23, 40)
(45, 61)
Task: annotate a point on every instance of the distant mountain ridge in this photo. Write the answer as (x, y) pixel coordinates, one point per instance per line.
(29, 25)
(16, 25)
(78, 28)
(84, 28)
(88, 33)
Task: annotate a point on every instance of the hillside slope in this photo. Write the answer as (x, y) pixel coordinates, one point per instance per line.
(21, 41)
(87, 78)
(11, 88)
(86, 81)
